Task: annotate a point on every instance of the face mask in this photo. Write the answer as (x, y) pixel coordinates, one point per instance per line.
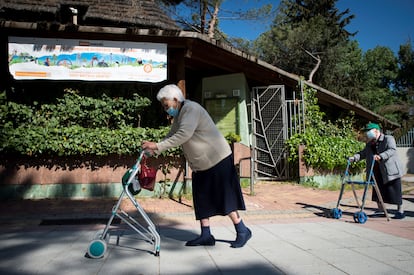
(172, 111)
(371, 134)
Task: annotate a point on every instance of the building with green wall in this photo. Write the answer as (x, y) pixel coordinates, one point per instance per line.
(226, 98)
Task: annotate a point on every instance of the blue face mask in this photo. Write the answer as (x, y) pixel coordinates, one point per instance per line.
(371, 134)
(172, 111)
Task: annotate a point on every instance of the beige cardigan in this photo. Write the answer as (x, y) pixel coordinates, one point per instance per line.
(202, 143)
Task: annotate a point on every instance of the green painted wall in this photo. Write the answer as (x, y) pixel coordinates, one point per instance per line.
(225, 97)
(224, 112)
(328, 181)
(77, 191)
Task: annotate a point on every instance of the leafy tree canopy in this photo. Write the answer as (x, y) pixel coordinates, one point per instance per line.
(304, 36)
(309, 38)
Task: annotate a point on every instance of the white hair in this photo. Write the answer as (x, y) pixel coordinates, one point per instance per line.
(170, 92)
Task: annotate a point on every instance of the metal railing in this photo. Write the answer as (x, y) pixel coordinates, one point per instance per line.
(296, 117)
(406, 140)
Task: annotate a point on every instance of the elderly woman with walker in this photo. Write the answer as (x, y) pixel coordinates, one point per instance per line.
(387, 169)
(215, 183)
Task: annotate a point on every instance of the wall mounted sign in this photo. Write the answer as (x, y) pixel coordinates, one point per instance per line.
(89, 60)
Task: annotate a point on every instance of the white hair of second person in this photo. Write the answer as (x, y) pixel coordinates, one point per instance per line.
(170, 92)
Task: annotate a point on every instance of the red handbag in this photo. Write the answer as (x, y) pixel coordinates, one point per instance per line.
(147, 175)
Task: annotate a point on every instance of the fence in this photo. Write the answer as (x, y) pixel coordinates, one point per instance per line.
(406, 140)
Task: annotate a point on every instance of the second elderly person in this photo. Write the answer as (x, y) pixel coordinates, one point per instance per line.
(382, 150)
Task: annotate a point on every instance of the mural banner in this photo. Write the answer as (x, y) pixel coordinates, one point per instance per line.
(90, 60)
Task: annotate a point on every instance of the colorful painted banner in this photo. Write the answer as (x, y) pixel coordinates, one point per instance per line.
(91, 60)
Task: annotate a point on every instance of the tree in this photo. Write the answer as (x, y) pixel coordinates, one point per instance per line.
(346, 76)
(405, 79)
(381, 69)
(306, 34)
(308, 38)
(200, 16)
(204, 16)
(403, 85)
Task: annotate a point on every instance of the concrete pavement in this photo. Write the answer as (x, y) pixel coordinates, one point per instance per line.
(296, 239)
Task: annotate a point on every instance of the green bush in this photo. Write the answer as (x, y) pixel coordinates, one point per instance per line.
(232, 138)
(76, 140)
(76, 110)
(76, 125)
(327, 144)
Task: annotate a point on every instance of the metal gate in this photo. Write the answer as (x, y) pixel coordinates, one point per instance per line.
(270, 128)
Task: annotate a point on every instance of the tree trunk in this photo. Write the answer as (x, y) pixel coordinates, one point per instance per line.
(204, 10)
(213, 21)
(318, 63)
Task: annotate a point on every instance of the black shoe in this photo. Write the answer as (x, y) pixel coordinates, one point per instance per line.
(242, 239)
(378, 213)
(206, 241)
(399, 216)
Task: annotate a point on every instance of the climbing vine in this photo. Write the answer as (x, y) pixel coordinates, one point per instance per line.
(327, 144)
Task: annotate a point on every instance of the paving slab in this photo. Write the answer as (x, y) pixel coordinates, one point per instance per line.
(291, 235)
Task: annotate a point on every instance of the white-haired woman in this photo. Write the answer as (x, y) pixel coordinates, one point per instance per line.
(215, 183)
(387, 170)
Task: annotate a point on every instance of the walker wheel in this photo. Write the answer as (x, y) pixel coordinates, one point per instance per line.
(360, 217)
(336, 213)
(97, 249)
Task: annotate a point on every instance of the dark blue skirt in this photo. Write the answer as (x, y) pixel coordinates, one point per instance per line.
(391, 192)
(217, 191)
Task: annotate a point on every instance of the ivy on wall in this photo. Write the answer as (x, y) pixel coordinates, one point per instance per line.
(76, 125)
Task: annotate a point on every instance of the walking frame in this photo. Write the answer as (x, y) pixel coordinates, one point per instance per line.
(130, 183)
(360, 216)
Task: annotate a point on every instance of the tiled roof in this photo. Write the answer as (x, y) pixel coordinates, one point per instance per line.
(120, 13)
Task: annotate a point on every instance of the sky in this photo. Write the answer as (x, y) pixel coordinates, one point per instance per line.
(388, 23)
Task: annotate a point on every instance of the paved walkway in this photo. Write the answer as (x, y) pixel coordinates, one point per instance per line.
(291, 235)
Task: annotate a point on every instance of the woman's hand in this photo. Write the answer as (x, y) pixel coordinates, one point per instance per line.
(149, 147)
(377, 157)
